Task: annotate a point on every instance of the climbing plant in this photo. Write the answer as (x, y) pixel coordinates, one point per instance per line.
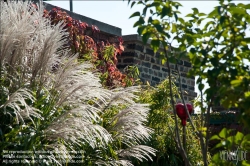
(85, 40)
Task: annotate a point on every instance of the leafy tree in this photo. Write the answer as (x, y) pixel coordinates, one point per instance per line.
(218, 52)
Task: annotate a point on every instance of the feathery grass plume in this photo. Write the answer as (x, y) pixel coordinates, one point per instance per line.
(30, 47)
(114, 163)
(140, 152)
(16, 101)
(43, 83)
(18, 36)
(125, 120)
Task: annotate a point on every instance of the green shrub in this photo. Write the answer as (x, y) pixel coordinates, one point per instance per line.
(162, 121)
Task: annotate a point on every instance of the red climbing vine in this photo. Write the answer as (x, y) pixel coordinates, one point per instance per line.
(84, 40)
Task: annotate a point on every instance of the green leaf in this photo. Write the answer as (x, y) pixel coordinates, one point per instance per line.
(195, 10)
(135, 14)
(141, 29)
(201, 87)
(238, 137)
(141, 2)
(174, 29)
(223, 133)
(150, 20)
(155, 4)
(193, 50)
(236, 82)
(165, 11)
(237, 11)
(155, 44)
(212, 14)
(189, 15)
(159, 28)
(132, 4)
(181, 20)
(246, 138)
(139, 22)
(145, 37)
(156, 22)
(219, 10)
(215, 137)
(246, 39)
(222, 19)
(163, 61)
(201, 14)
(247, 6)
(175, 16)
(172, 59)
(144, 12)
(247, 94)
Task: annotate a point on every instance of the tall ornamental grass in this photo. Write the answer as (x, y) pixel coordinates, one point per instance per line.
(50, 102)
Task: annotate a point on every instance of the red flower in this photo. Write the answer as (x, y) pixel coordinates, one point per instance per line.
(180, 110)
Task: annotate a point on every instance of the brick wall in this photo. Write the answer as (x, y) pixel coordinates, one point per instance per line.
(150, 66)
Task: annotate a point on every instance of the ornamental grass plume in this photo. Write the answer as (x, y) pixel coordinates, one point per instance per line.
(51, 102)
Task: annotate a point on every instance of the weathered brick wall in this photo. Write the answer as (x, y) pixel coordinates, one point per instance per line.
(150, 66)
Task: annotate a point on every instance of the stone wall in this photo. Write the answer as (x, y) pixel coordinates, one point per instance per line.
(150, 66)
